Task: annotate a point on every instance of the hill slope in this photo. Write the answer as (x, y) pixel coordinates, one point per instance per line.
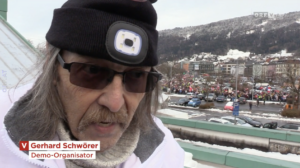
(249, 34)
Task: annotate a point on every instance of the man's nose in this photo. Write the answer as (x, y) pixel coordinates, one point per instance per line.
(112, 95)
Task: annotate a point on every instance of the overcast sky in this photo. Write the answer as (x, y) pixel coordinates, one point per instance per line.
(32, 18)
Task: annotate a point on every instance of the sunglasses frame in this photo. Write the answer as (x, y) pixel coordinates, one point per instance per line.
(68, 67)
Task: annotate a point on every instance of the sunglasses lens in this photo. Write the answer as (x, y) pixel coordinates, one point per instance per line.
(89, 76)
(94, 77)
(151, 82)
(139, 81)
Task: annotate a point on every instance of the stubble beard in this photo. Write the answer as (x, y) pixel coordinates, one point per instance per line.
(102, 114)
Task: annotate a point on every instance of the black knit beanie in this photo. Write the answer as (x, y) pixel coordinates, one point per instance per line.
(121, 31)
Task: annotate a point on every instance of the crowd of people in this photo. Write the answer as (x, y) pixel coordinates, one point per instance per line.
(273, 95)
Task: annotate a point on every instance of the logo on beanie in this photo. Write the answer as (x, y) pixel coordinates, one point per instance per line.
(127, 43)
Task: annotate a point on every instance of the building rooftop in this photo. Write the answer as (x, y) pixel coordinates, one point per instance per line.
(17, 57)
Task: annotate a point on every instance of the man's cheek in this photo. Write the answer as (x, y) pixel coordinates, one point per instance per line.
(73, 122)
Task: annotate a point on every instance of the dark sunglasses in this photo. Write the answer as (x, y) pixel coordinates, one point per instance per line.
(96, 77)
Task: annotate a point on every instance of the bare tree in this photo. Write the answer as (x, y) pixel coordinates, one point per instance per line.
(179, 79)
(166, 69)
(291, 74)
(41, 47)
(30, 41)
(221, 76)
(271, 76)
(206, 85)
(280, 78)
(257, 74)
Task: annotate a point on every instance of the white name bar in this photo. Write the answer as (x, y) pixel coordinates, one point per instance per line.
(62, 155)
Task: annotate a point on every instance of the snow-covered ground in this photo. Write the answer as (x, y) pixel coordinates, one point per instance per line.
(177, 95)
(190, 163)
(250, 32)
(178, 114)
(274, 155)
(163, 97)
(174, 113)
(267, 102)
(263, 23)
(188, 157)
(235, 54)
(184, 115)
(228, 35)
(269, 117)
(283, 53)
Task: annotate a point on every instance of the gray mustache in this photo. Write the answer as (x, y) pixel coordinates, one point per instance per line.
(103, 114)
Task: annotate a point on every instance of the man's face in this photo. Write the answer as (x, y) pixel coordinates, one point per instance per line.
(97, 115)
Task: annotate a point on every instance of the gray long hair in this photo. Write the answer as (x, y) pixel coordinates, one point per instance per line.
(47, 109)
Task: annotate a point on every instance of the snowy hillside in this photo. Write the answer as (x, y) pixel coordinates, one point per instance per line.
(234, 54)
(235, 25)
(272, 37)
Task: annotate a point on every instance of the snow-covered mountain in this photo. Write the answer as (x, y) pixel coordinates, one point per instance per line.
(237, 26)
(250, 34)
(236, 54)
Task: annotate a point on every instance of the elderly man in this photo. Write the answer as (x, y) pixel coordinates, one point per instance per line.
(98, 83)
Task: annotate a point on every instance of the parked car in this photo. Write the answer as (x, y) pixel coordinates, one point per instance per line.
(190, 95)
(242, 100)
(221, 98)
(229, 106)
(211, 97)
(291, 126)
(250, 121)
(219, 120)
(201, 96)
(270, 125)
(194, 102)
(183, 101)
(238, 121)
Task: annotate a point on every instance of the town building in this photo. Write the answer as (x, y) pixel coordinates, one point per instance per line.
(269, 71)
(230, 67)
(248, 72)
(257, 70)
(197, 67)
(288, 66)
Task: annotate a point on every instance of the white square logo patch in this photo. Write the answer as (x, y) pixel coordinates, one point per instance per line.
(128, 42)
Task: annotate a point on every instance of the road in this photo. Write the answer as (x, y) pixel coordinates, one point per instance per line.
(258, 113)
(204, 115)
(267, 108)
